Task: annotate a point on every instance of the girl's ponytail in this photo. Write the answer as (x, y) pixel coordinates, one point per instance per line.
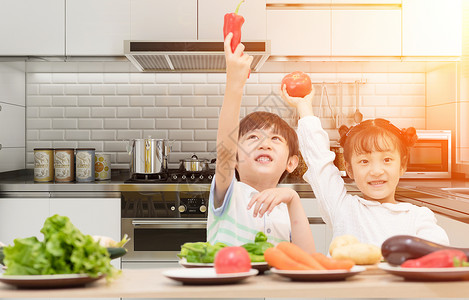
(343, 130)
(409, 135)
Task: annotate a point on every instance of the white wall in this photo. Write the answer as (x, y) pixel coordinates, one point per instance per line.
(101, 110)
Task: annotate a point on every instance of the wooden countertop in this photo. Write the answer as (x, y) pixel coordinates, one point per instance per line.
(151, 283)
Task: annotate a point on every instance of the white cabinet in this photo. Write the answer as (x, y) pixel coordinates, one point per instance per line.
(321, 233)
(12, 159)
(366, 32)
(12, 137)
(97, 27)
(431, 28)
(22, 218)
(211, 18)
(456, 230)
(13, 118)
(12, 82)
(163, 20)
(12, 115)
(366, 1)
(299, 32)
(31, 27)
(335, 32)
(93, 216)
(298, 1)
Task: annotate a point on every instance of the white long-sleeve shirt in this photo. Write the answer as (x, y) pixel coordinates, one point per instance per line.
(371, 222)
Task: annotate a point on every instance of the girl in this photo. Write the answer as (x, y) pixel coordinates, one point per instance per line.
(376, 154)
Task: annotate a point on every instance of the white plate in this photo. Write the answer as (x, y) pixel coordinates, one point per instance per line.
(318, 275)
(47, 281)
(260, 266)
(427, 274)
(206, 276)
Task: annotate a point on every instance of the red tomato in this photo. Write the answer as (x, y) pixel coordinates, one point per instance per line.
(298, 84)
(232, 260)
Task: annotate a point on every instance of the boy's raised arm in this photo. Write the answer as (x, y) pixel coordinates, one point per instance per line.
(237, 70)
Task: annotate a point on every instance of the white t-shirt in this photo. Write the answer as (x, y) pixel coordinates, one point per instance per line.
(370, 221)
(234, 225)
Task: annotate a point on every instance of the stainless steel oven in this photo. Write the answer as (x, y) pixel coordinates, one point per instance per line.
(430, 157)
(160, 219)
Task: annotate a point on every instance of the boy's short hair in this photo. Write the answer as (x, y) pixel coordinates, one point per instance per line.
(265, 120)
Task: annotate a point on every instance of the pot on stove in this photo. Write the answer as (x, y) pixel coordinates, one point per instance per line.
(148, 156)
(194, 164)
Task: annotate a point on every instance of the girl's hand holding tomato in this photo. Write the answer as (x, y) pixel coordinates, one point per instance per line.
(296, 101)
(298, 84)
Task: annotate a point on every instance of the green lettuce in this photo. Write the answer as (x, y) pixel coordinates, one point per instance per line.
(65, 250)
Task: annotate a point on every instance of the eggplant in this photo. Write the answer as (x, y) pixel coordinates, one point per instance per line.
(399, 248)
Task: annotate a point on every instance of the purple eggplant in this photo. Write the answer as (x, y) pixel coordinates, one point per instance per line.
(399, 248)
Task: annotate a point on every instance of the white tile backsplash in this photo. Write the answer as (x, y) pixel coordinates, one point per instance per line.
(103, 110)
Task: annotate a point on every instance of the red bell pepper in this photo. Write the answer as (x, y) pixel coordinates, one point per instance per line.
(439, 259)
(233, 23)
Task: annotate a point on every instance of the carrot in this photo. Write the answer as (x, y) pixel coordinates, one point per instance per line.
(299, 255)
(281, 261)
(333, 264)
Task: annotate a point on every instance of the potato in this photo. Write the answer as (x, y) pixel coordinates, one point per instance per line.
(342, 240)
(105, 241)
(361, 254)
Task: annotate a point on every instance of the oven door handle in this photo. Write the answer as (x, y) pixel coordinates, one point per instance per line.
(170, 224)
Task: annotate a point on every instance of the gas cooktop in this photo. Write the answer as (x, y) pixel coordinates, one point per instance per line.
(173, 176)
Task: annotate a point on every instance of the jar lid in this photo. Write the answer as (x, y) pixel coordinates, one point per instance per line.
(43, 149)
(82, 149)
(64, 149)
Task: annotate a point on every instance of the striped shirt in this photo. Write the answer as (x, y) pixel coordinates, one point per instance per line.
(234, 225)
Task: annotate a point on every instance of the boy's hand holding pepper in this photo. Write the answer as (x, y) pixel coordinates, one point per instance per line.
(237, 65)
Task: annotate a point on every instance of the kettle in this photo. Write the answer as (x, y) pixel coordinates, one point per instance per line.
(148, 156)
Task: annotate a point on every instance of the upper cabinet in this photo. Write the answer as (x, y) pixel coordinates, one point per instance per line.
(366, 32)
(211, 17)
(366, 1)
(321, 28)
(163, 20)
(31, 27)
(373, 28)
(431, 28)
(299, 32)
(97, 27)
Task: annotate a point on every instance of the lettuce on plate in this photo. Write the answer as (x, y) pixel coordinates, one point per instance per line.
(65, 250)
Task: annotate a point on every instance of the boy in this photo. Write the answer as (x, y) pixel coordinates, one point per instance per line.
(260, 149)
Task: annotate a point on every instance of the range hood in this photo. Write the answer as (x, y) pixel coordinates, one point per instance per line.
(189, 56)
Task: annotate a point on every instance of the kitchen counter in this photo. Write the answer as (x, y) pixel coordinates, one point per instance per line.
(417, 191)
(22, 182)
(151, 283)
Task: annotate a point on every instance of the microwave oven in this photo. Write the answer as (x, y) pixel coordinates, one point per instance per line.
(430, 157)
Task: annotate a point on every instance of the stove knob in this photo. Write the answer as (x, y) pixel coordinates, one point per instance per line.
(192, 177)
(201, 177)
(183, 177)
(174, 177)
(182, 208)
(203, 208)
(173, 208)
(210, 177)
